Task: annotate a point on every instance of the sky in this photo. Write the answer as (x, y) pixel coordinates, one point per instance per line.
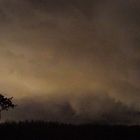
(71, 61)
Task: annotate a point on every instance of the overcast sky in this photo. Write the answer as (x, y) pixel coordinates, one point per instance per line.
(71, 60)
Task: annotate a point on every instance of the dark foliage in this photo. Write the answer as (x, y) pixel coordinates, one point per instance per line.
(55, 131)
(5, 103)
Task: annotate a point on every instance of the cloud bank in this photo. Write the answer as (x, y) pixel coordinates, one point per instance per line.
(71, 61)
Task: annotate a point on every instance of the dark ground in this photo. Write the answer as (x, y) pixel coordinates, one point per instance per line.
(56, 131)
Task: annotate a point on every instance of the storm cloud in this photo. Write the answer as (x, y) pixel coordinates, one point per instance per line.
(74, 57)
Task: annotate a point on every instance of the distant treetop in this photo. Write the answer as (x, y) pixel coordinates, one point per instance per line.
(5, 103)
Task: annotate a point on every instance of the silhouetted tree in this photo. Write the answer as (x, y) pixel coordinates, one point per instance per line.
(5, 104)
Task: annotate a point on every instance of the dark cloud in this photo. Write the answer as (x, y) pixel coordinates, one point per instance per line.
(57, 49)
(82, 108)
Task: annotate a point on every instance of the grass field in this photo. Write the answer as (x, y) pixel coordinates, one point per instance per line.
(55, 131)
